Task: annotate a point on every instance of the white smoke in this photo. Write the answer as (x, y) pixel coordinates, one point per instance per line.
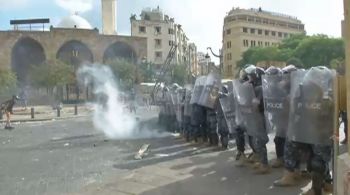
(109, 115)
(74, 6)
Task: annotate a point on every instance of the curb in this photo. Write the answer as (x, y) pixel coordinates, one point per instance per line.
(44, 119)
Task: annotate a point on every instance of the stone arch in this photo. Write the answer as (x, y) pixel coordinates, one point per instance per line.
(26, 52)
(119, 50)
(75, 53)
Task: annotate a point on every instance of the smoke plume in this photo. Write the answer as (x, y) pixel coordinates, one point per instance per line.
(73, 6)
(109, 115)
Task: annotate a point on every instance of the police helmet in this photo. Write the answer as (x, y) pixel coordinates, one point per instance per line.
(288, 69)
(273, 71)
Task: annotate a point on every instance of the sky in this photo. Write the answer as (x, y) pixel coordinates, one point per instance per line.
(202, 20)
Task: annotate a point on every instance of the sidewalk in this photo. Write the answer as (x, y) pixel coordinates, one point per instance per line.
(46, 113)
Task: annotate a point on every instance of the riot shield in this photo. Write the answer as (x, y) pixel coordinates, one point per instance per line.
(276, 103)
(197, 90)
(228, 108)
(312, 106)
(251, 118)
(188, 106)
(210, 94)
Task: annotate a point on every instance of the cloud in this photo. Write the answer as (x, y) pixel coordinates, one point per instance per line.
(12, 4)
(73, 6)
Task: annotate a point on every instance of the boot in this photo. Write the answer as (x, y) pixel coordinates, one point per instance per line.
(262, 169)
(317, 185)
(277, 163)
(255, 165)
(328, 188)
(241, 160)
(253, 158)
(287, 180)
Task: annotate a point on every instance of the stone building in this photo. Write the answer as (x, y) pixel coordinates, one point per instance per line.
(162, 32)
(245, 28)
(73, 40)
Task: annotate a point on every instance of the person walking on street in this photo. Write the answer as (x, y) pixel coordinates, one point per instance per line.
(7, 108)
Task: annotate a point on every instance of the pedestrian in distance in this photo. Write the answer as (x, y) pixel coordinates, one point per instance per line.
(7, 109)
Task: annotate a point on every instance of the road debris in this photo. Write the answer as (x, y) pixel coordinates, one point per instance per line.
(142, 152)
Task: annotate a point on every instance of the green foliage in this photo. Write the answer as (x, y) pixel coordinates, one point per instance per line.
(319, 50)
(50, 74)
(125, 72)
(179, 74)
(8, 82)
(295, 61)
(147, 72)
(339, 65)
(300, 50)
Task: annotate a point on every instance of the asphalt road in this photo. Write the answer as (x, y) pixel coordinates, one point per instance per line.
(71, 157)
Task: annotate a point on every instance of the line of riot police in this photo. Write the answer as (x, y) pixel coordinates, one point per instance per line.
(295, 105)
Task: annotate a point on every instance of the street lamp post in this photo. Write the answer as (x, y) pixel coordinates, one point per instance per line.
(218, 56)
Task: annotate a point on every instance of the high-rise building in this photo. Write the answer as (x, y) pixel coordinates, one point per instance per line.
(162, 32)
(109, 16)
(245, 28)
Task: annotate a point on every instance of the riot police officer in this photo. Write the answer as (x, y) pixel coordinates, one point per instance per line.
(241, 130)
(222, 123)
(311, 122)
(276, 109)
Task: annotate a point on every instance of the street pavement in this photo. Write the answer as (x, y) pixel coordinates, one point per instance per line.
(72, 157)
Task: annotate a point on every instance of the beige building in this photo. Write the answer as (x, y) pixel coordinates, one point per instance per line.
(109, 16)
(162, 32)
(245, 28)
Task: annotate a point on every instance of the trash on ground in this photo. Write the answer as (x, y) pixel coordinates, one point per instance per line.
(142, 152)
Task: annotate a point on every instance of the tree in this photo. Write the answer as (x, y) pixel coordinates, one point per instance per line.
(300, 50)
(295, 61)
(179, 74)
(319, 50)
(339, 65)
(8, 81)
(147, 72)
(125, 71)
(51, 74)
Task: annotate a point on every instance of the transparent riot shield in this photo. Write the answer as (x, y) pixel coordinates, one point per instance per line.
(247, 104)
(276, 103)
(312, 106)
(210, 94)
(188, 106)
(197, 90)
(227, 105)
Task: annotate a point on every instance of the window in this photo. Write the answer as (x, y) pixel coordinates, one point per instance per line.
(245, 43)
(252, 43)
(260, 43)
(279, 34)
(259, 31)
(273, 33)
(158, 42)
(267, 33)
(265, 21)
(158, 29)
(250, 19)
(245, 30)
(229, 69)
(159, 54)
(252, 31)
(228, 45)
(171, 31)
(285, 35)
(229, 56)
(267, 44)
(171, 43)
(142, 29)
(228, 31)
(258, 20)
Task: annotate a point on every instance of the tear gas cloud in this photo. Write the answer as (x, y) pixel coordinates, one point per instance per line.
(109, 115)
